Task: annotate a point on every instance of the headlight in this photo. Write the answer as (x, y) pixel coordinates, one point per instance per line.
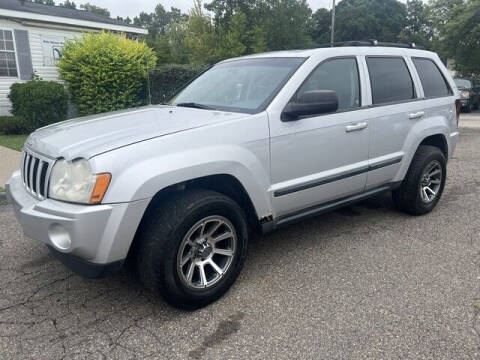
(465, 94)
(73, 181)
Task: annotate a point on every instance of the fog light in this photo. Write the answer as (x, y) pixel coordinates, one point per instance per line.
(59, 237)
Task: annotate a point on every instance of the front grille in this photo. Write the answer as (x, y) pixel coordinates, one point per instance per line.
(35, 172)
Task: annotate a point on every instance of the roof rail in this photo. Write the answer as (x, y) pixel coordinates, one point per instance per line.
(372, 42)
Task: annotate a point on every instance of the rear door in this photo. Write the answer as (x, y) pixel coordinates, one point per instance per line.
(395, 108)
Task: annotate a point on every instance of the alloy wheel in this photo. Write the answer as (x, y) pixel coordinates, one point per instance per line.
(206, 252)
(431, 181)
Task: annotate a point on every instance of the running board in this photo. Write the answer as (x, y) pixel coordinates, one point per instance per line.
(325, 207)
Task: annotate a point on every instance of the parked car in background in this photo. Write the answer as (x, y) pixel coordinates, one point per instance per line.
(252, 144)
(469, 93)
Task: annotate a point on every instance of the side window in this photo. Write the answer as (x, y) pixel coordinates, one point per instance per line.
(433, 82)
(390, 80)
(8, 65)
(339, 75)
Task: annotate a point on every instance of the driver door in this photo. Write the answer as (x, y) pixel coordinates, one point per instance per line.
(322, 158)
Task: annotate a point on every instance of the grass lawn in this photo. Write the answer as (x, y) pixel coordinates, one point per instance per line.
(14, 142)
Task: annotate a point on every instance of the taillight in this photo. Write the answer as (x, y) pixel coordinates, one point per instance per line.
(458, 106)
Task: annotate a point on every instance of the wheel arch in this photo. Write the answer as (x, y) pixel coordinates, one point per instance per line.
(436, 140)
(225, 184)
(433, 136)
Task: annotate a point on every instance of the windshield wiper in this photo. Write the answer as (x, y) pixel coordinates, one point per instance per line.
(195, 106)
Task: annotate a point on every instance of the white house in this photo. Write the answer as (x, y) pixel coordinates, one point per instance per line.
(32, 36)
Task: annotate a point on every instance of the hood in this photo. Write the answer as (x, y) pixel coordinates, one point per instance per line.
(92, 135)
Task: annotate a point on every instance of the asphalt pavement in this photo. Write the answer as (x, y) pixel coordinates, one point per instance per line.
(365, 282)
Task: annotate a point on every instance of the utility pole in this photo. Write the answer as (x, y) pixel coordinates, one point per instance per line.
(333, 23)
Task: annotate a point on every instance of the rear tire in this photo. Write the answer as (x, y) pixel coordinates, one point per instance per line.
(178, 231)
(423, 185)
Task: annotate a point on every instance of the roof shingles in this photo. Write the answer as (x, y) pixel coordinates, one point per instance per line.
(40, 9)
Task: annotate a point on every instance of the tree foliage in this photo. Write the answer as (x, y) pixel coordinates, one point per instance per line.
(461, 37)
(44, 2)
(419, 29)
(157, 22)
(106, 72)
(68, 4)
(287, 24)
(231, 28)
(369, 19)
(200, 39)
(95, 9)
(321, 25)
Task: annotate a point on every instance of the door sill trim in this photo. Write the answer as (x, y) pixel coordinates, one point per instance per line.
(325, 207)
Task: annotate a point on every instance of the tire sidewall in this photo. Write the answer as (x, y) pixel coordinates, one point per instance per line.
(176, 289)
(423, 207)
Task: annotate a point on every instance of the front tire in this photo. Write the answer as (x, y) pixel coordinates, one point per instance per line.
(423, 185)
(193, 247)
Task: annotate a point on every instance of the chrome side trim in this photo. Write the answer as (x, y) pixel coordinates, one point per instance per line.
(337, 177)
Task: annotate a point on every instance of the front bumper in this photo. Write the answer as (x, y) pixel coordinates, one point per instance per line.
(89, 239)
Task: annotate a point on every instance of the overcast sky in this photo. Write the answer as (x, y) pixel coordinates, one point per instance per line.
(134, 7)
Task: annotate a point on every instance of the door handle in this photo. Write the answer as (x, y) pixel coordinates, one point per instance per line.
(356, 127)
(416, 115)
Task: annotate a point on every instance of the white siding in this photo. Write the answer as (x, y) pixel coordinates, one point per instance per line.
(35, 35)
(5, 84)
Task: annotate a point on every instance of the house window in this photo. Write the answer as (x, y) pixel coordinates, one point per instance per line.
(8, 64)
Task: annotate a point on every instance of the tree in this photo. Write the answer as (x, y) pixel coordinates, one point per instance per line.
(44, 2)
(461, 37)
(224, 10)
(68, 4)
(177, 33)
(258, 44)
(382, 20)
(440, 13)
(287, 24)
(157, 22)
(95, 9)
(321, 25)
(418, 29)
(200, 38)
(161, 46)
(233, 42)
(126, 20)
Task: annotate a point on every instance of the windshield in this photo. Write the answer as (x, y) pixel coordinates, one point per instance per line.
(247, 85)
(463, 83)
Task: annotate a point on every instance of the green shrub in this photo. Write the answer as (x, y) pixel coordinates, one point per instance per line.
(167, 80)
(15, 125)
(39, 102)
(106, 72)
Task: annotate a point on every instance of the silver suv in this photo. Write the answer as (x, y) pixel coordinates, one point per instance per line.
(254, 143)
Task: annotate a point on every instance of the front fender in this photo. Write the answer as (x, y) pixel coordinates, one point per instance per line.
(144, 177)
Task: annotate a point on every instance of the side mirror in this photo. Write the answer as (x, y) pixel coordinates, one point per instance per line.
(314, 102)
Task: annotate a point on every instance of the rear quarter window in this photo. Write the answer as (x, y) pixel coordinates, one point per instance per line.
(390, 80)
(433, 82)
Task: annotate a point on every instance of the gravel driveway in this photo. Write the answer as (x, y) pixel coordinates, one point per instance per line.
(362, 282)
